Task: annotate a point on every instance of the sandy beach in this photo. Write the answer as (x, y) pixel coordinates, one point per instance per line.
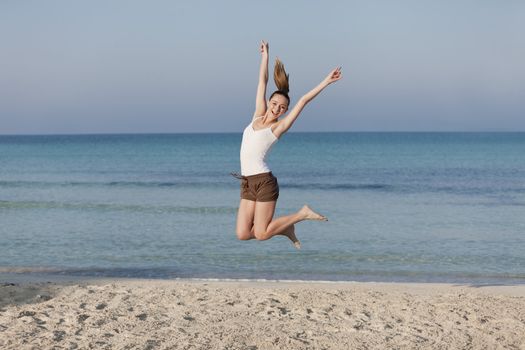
(164, 314)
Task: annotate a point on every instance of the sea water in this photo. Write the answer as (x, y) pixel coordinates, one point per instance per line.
(425, 207)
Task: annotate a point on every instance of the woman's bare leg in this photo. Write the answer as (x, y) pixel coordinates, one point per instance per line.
(290, 233)
(245, 228)
(265, 228)
(245, 217)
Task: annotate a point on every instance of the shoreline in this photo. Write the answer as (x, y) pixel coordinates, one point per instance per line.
(32, 275)
(67, 280)
(28, 279)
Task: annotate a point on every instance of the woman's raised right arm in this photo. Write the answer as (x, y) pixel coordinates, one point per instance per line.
(286, 122)
(260, 99)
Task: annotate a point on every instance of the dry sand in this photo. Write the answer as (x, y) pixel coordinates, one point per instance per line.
(160, 314)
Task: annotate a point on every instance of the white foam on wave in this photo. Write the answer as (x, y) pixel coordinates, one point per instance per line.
(263, 280)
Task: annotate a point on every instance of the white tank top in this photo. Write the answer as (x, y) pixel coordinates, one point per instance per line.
(256, 145)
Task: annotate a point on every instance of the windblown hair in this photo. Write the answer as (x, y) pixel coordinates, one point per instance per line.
(281, 80)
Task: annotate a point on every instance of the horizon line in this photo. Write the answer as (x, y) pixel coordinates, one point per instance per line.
(240, 132)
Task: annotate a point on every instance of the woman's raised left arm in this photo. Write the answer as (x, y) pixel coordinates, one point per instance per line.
(287, 122)
(260, 99)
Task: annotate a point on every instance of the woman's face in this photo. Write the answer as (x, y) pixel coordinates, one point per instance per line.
(277, 106)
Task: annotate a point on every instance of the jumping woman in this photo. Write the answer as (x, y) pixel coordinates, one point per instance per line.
(259, 187)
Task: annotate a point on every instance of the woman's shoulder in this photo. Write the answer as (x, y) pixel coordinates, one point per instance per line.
(255, 118)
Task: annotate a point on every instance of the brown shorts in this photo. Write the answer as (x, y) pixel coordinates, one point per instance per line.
(260, 187)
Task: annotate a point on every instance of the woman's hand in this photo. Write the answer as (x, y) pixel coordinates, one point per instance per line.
(264, 48)
(333, 76)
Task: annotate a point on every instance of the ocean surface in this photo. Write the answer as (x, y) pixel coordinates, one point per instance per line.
(406, 207)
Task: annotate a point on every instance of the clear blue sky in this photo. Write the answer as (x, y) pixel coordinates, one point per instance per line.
(192, 66)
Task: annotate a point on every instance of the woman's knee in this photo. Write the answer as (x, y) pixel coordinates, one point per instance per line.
(261, 236)
(243, 235)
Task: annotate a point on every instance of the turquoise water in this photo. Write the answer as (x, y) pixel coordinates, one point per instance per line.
(440, 207)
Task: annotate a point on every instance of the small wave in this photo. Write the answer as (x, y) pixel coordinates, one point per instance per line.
(227, 183)
(183, 184)
(343, 186)
(46, 184)
(115, 207)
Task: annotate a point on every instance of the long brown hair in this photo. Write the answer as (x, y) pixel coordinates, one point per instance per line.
(281, 80)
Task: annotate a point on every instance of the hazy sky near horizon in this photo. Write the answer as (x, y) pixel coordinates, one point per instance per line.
(192, 66)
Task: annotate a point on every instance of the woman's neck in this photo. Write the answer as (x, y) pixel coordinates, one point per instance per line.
(266, 120)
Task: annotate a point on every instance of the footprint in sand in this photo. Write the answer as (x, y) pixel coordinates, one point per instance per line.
(81, 318)
(101, 306)
(58, 335)
(142, 316)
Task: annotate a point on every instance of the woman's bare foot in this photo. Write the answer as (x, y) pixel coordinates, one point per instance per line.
(309, 214)
(290, 233)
